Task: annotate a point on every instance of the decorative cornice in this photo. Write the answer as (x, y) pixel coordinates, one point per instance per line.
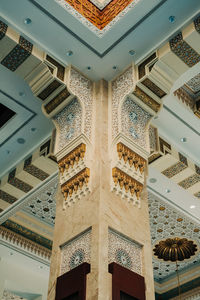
(127, 182)
(131, 157)
(24, 243)
(153, 87)
(185, 97)
(57, 100)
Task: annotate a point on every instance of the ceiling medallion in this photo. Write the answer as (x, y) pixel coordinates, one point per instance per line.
(173, 249)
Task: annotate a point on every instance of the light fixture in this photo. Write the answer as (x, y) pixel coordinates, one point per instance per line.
(167, 191)
(172, 19)
(21, 94)
(11, 253)
(8, 151)
(152, 180)
(33, 129)
(114, 67)
(131, 52)
(183, 139)
(192, 206)
(89, 68)
(27, 21)
(69, 53)
(21, 140)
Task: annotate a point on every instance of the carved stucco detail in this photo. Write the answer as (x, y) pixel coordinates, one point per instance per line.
(82, 87)
(121, 87)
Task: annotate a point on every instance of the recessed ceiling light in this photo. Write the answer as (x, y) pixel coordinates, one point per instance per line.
(152, 180)
(27, 21)
(33, 129)
(192, 206)
(167, 191)
(21, 140)
(114, 67)
(21, 94)
(11, 253)
(172, 19)
(183, 139)
(8, 151)
(131, 52)
(40, 267)
(89, 68)
(69, 53)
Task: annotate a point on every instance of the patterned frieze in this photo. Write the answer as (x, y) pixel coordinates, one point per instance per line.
(197, 24)
(19, 184)
(194, 84)
(174, 169)
(146, 99)
(18, 240)
(124, 251)
(190, 181)
(33, 170)
(3, 28)
(7, 197)
(167, 221)
(76, 251)
(153, 87)
(76, 187)
(184, 51)
(18, 54)
(126, 186)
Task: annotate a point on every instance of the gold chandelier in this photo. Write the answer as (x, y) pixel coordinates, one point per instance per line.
(175, 249)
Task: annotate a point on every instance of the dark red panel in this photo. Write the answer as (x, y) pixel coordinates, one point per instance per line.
(126, 281)
(72, 283)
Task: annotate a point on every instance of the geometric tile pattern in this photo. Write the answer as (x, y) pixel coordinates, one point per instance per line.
(191, 180)
(7, 197)
(175, 169)
(18, 54)
(3, 29)
(34, 171)
(76, 251)
(184, 51)
(43, 205)
(124, 251)
(168, 222)
(21, 185)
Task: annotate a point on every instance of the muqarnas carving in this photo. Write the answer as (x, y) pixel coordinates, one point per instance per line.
(68, 123)
(124, 251)
(76, 251)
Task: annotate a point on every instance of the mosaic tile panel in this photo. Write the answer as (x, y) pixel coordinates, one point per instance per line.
(190, 181)
(81, 87)
(3, 29)
(33, 170)
(183, 159)
(124, 251)
(121, 87)
(150, 102)
(19, 184)
(166, 221)
(153, 87)
(197, 24)
(7, 197)
(69, 122)
(18, 55)
(57, 100)
(136, 129)
(175, 169)
(43, 206)
(25, 232)
(184, 51)
(49, 90)
(99, 21)
(194, 84)
(76, 251)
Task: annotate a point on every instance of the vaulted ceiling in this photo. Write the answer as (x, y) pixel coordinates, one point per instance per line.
(100, 38)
